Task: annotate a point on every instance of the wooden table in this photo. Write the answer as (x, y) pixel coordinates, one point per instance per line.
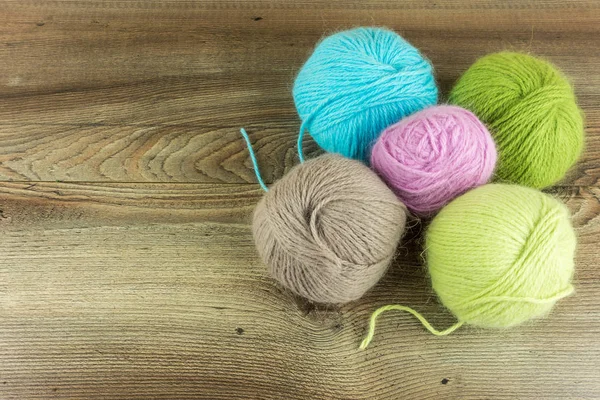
(127, 266)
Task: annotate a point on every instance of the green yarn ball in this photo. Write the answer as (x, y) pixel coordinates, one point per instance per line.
(531, 111)
(500, 255)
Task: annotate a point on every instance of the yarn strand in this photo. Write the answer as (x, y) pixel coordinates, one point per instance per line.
(300, 137)
(253, 158)
(308, 120)
(426, 324)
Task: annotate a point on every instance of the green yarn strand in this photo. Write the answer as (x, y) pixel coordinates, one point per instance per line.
(397, 307)
(531, 300)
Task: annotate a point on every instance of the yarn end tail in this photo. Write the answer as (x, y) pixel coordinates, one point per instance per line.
(372, 323)
(254, 161)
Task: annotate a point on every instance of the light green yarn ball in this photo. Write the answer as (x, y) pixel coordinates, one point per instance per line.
(501, 254)
(531, 111)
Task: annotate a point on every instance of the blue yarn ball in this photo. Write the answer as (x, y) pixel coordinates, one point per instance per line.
(358, 82)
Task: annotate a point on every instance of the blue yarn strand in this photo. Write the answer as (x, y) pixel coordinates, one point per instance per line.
(300, 137)
(308, 120)
(253, 158)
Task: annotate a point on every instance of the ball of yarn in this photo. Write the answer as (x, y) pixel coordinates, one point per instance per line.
(356, 83)
(501, 254)
(433, 156)
(531, 111)
(328, 229)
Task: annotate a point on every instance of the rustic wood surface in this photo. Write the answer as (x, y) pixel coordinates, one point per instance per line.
(127, 267)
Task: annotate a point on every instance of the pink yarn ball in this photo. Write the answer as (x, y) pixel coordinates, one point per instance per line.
(433, 156)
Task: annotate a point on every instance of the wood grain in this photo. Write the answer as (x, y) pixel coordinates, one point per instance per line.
(157, 91)
(155, 291)
(127, 266)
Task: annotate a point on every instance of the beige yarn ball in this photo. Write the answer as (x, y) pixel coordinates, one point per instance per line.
(328, 230)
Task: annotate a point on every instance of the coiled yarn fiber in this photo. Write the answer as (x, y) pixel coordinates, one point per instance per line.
(531, 111)
(356, 83)
(328, 229)
(433, 156)
(500, 255)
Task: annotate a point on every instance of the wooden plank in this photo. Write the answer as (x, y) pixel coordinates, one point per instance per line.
(144, 153)
(137, 277)
(155, 291)
(182, 153)
(156, 91)
(46, 44)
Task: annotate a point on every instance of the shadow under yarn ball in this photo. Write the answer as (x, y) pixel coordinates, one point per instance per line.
(328, 229)
(531, 111)
(356, 83)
